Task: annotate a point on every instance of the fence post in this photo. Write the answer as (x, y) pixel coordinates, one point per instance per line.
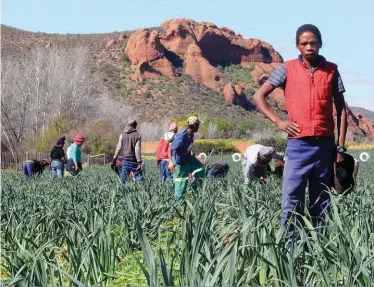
(104, 158)
(88, 160)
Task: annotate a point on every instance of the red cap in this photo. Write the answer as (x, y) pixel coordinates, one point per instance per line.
(79, 137)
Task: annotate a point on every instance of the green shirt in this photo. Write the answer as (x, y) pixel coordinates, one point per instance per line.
(76, 153)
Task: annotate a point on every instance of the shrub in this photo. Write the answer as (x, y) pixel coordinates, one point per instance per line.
(238, 73)
(244, 128)
(224, 127)
(218, 146)
(278, 143)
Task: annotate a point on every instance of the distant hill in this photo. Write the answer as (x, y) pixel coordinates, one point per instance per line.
(179, 68)
(364, 112)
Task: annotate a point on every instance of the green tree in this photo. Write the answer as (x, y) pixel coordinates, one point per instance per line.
(101, 139)
(43, 142)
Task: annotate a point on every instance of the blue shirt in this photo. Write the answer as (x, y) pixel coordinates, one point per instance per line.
(181, 148)
(279, 77)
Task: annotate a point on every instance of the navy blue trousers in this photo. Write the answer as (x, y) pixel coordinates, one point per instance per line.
(308, 160)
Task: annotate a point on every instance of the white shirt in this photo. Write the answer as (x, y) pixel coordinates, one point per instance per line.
(250, 160)
(68, 152)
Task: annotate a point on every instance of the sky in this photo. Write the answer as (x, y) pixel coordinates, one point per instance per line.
(346, 26)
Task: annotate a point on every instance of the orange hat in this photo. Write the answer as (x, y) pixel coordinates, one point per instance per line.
(79, 137)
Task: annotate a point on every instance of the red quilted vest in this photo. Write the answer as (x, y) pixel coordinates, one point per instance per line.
(162, 150)
(309, 97)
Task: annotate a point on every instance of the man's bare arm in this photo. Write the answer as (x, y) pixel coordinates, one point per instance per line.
(261, 104)
(341, 121)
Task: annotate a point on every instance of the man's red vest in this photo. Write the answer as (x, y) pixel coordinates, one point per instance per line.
(309, 97)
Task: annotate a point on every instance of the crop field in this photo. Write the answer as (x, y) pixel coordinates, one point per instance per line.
(91, 230)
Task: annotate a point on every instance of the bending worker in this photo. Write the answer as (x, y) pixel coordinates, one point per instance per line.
(256, 162)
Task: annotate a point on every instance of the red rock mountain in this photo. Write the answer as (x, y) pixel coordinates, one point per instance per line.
(181, 46)
(202, 46)
(199, 47)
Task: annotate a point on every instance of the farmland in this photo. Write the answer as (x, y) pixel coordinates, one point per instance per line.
(90, 229)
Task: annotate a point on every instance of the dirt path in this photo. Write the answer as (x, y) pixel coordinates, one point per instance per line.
(149, 147)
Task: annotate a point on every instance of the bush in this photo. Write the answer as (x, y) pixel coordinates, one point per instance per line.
(239, 74)
(224, 127)
(278, 143)
(218, 146)
(244, 128)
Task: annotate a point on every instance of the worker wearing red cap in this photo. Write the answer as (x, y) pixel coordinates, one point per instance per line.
(74, 164)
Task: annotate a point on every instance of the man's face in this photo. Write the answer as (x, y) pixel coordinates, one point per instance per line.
(196, 127)
(309, 46)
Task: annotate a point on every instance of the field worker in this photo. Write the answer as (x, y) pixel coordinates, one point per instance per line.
(183, 162)
(74, 164)
(68, 151)
(163, 152)
(58, 158)
(129, 148)
(312, 85)
(218, 170)
(34, 167)
(256, 161)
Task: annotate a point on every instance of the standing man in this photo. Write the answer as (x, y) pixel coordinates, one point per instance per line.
(256, 162)
(311, 86)
(163, 153)
(183, 162)
(129, 148)
(74, 164)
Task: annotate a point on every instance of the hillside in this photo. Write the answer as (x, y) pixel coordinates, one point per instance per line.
(363, 112)
(179, 68)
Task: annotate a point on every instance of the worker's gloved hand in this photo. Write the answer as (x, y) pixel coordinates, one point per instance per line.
(113, 164)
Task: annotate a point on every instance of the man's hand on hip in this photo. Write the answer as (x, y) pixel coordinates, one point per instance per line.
(288, 127)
